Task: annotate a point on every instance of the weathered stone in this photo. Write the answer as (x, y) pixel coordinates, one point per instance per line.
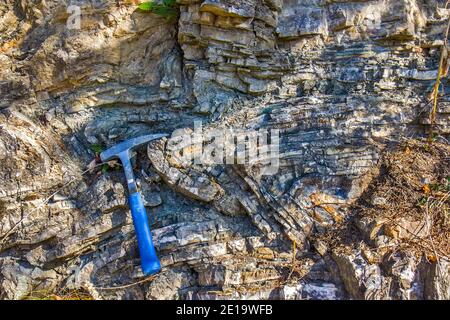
(362, 280)
(339, 79)
(194, 184)
(297, 22)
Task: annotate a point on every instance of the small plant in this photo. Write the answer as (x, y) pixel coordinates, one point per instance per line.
(441, 187)
(422, 201)
(98, 148)
(167, 8)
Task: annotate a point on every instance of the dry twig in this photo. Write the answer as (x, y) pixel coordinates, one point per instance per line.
(442, 72)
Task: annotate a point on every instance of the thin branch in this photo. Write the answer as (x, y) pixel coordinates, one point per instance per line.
(127, 285)
(10, 231)
(441, 73)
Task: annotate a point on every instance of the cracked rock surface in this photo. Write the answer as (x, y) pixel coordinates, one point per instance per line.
(342, 81)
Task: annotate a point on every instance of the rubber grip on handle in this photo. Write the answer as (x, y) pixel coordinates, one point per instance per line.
(149, 260)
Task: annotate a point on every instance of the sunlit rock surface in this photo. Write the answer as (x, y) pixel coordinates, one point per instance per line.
(339, 79)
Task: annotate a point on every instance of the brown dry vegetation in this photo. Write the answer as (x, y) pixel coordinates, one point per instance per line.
(59, 295)
(409, 198)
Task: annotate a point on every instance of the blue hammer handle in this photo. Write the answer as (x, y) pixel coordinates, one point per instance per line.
(149, 260)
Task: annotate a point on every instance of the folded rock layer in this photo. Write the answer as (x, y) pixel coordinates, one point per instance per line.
(342, 81)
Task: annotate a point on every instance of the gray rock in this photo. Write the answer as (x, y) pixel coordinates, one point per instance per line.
(339, 79)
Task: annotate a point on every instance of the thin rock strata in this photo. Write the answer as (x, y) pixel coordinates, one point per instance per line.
(340, 80)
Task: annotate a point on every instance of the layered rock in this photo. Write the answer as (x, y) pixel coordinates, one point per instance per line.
(339, 79)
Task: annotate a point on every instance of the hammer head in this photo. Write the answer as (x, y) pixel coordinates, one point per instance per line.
(113, 152)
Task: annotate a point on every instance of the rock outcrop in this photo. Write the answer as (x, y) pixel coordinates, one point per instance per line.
(340, 80)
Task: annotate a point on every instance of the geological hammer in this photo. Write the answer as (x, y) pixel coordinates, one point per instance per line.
(149, 260)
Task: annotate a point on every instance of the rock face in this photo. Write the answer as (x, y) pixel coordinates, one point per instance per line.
(339, 79)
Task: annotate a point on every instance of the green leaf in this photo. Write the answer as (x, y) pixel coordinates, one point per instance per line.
(105, 168)
(167, 9)
(164, 11)
(170, 3)
(97, 148)
(422, 201)
(146, 6)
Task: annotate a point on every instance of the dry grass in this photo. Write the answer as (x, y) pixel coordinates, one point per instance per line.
(59, 295)
(413, 182)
